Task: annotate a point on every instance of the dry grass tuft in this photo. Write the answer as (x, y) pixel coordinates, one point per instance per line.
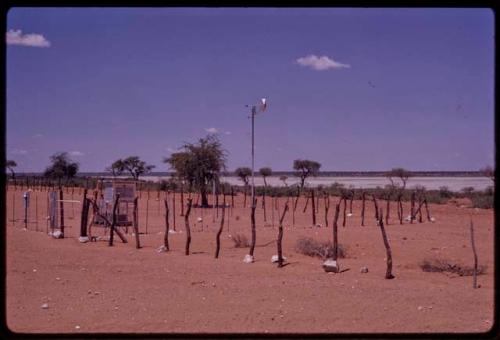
(240, 241)
(311, 247)
(441, 265)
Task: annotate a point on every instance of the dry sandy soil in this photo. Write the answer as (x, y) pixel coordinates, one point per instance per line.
(91, 287)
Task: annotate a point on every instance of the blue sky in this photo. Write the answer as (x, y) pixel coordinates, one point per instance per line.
(354, 89)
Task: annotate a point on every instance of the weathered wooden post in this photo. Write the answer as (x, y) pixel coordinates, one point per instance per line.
(400, 207)
(252, 218)
(167, 225)
(388, 207)
(313, 208)
(188, 229)
(264, 204)
(136, 223)
(376, 207)
(344, 198)
(335, 234)
(295, 206)
(84, 215)
(388, 274)
(351, 198)
(427, 210)
(173, 208)
(306, 205)
(280, 236)
(474, 273)
(363, 199)
(327, 207)
(61, 207)
(272, 211)
(217, 239)
(182, 199)
(412, 211)
(147, 211)
(113, 222)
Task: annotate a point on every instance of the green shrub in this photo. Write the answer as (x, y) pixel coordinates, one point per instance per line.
(311, 247)
(482, 201)
(442, 265)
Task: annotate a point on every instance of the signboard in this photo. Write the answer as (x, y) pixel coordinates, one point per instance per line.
(124, 188)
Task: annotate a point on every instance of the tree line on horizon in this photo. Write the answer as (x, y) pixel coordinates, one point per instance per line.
(200, 164)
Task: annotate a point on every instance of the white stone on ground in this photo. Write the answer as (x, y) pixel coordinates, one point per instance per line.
(364, 270)
(248, 258)
(161, 249)
(331, 266)
(83, 239)
(274, 258)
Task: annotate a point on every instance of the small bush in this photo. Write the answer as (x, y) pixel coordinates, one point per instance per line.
(310, 247)
(240, 241)
(482, 201)
(440, 265)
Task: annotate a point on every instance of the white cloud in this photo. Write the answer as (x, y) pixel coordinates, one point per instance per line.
(19, 152)
(169, 149)
(38, 135)
(76, 153)
(320, 63)
(16, 37)
(211, 130)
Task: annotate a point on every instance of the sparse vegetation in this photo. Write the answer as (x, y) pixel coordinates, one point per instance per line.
(61, 167)
(310, 247)
(10, 164)
(442, 265)
(240, 241)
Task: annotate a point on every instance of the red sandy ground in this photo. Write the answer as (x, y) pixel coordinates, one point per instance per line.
(91, 287)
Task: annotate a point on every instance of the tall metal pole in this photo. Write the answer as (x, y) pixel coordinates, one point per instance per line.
(253, 128)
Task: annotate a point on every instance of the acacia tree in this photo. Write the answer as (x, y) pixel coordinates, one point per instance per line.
(199, 164)
(305, 168)
(134, 166)
(244, 173)
(61, 167)
(403, 175)
(400, 173)
(10, 165)
(265, 172)
(116, 168)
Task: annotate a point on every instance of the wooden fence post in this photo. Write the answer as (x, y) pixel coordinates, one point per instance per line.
(363, 199)
(136, 223)
(167, 225)
(84, 215)
(474, 273)
(388, 274)
(252, 218)
(188, 229)
(217, 239)
(335, 236)
(344, 198)
(61, 207)
(113, 223)
(280, 236)
(313, 208)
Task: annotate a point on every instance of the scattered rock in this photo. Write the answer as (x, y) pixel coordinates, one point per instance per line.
(171, 231)
(420, 308)
(161, 249)
(433, 219)
(45, 306)
(364, 270)
(248, 258)
(57, 234)
(199, 219)
(83, 239)
(349, 215)
(77, 327)
(34, 270)
(331, 266)
(58, 278)
(318, 225)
